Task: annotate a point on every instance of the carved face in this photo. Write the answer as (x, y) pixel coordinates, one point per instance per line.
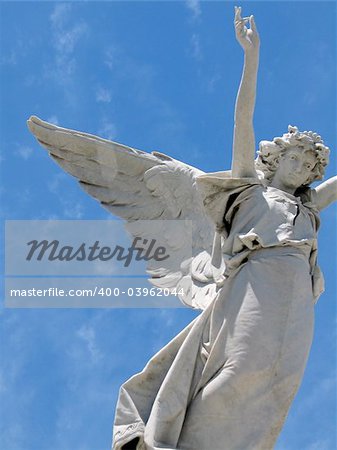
(295, 167)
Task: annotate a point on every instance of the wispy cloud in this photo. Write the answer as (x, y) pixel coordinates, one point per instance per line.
(167, 316)
(212, 82)
(12, 432)
(166, 125)
(103, 95)
(194, 7)
(324, 388)
(320, 444)
(88, 335)
(24, 152)
(115, 57)
(10, 59)
(108, 129)
(66, 36)
(72, 210)
(23, 197)
(196, 47)
(59, 14)
(112, 56)
(53, 119)
(55, 183)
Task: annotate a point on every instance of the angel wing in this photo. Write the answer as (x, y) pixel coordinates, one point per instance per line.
(138, 186)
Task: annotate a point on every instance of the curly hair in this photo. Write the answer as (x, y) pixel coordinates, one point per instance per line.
(270, 152)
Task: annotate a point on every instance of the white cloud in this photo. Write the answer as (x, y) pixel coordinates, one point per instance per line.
(167, 316)
(321, 444)
(212, 82)
(24, 152)
(53, 119)
(13, 436)
(65, 38)
(30, 80)
(166, 124)
(47, 216)
(112, 57)
(142, 78)
(25, 195)
(323, 389)
(72, 210)
(71, 207)
(310, 98)
(88, 335)
(196, 47)
(103, 95)
(9, 60)
(59, 14)
(107, 129)
(194, 7)
(55, 183)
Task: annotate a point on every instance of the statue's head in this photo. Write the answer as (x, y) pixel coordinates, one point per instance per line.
(271, 152)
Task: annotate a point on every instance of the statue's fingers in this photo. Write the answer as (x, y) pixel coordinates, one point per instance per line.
(237, 12)
(238, 25)
(240, 28)
(252, 24)
(241, 22)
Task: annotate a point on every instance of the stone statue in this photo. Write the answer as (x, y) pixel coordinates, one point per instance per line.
(228, 379)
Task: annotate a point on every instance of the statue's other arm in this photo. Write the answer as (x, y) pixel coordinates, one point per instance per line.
(326, 193)
(244, 139)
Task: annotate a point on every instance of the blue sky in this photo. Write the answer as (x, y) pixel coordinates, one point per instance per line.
(156, 76)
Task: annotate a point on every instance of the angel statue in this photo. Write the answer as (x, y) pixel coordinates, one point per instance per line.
(228, 379)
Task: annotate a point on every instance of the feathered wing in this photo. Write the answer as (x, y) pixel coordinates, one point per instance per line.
(139, 186)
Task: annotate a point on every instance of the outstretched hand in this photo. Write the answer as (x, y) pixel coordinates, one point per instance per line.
(248, 38)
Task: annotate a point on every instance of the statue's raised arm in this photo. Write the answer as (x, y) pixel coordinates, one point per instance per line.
(244, 139)
(271, 154)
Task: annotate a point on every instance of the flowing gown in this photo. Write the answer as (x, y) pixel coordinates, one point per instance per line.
(227, 380)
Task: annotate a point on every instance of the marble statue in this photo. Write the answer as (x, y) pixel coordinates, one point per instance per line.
(228, 379)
